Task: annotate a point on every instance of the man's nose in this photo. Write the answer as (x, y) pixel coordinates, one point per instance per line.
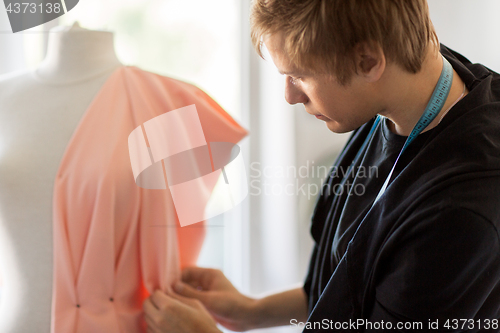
(294, 94)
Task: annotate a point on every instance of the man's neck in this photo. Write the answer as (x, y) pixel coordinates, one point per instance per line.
(408, 94)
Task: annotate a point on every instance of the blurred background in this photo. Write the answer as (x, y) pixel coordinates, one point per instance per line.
(263, 245)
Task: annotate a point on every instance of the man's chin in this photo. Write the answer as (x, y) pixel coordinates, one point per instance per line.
(339, 128)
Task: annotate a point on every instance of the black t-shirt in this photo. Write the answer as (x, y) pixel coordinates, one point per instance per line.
(344, 205)
(429, 249)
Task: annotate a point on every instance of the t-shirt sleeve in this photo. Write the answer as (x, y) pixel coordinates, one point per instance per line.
(439, 265)
(309, 277)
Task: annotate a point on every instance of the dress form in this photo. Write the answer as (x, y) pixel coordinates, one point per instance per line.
(39, 111)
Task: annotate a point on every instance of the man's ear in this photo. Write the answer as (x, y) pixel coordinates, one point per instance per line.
(370, 61)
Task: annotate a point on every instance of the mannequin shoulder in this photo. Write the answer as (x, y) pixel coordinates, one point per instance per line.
(13, 76)
(17, 82)
(16, 78)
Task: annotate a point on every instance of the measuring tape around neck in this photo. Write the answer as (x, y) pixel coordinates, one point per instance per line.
(433, 108)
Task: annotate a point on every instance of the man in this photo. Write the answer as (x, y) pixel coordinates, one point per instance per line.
(419, 250)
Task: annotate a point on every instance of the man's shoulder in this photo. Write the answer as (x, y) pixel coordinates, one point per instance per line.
(477, 69)
(483, 81)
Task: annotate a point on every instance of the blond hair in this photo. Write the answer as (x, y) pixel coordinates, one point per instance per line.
(321, 35)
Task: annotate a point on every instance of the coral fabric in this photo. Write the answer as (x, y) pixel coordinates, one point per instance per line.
(114, 242)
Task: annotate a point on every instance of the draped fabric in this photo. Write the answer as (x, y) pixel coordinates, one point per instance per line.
(115, 242)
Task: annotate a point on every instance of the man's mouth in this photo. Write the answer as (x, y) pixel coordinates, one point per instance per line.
(320, 116)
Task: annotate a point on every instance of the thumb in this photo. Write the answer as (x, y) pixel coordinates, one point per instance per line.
(186, 290)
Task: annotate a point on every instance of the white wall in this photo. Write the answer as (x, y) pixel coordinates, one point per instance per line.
(470, 27)
(11, 46)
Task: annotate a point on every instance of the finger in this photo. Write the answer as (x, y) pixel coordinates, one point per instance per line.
(190, 301)
(151, 325)
(198, 276)
(149, 308)
(171, 300)
(184, 289)
(159, 299)
(154, 330)
(150, 313)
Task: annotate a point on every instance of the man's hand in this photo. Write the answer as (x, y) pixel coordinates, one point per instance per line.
(204, 293)
(225, 303)
(171, 313)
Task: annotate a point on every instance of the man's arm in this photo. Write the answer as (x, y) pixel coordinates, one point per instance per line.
(236, 311)
(278, 309)
(445, 267)
(206, 294)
